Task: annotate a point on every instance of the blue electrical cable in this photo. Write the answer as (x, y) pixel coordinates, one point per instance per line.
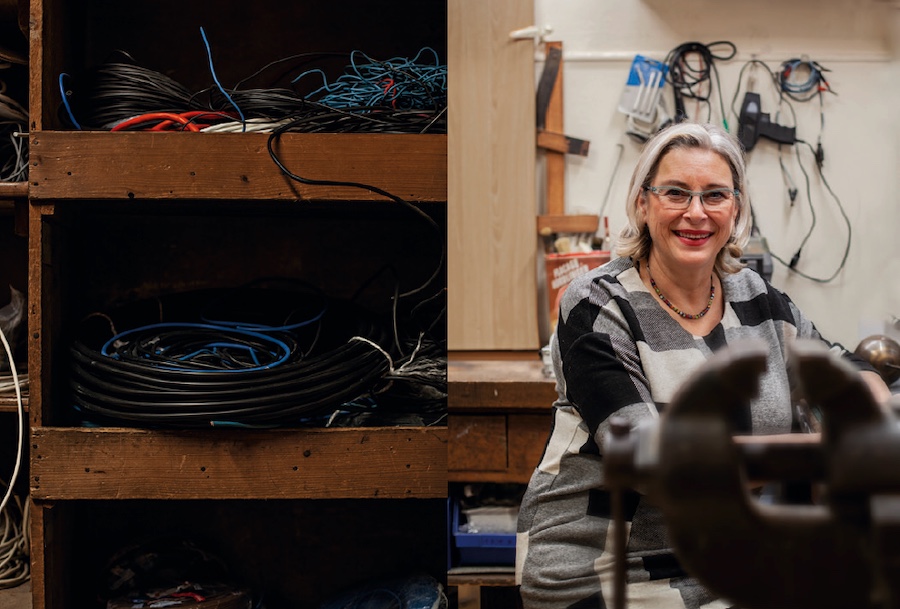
(212, 71)
(65, 101)
(813, 84)
(398, 82)
(160, 348)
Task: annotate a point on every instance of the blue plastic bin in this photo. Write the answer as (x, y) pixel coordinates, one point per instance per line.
(481, 548)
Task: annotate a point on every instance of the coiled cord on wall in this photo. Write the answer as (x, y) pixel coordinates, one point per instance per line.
(690, 78)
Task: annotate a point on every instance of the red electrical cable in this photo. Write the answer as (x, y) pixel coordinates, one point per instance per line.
(168, 121)
(156, 118)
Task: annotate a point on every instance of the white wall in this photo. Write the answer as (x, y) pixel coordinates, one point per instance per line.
(854, 39)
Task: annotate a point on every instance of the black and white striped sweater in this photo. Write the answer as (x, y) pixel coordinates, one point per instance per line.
(617, 351)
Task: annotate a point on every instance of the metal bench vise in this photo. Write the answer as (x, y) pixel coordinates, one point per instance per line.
(840, 550)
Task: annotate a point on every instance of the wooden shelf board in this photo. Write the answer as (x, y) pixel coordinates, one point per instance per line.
(344, 463)
(10, 404)
(498, 382)
(12, 190)
(471, 576)
(235, 166)
(558, 223)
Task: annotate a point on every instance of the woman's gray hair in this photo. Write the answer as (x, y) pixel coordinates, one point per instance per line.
(634, 239)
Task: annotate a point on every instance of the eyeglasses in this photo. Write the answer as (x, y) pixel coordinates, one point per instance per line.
(674, 197)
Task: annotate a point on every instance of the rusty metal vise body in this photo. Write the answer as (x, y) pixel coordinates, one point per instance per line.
(840, 551)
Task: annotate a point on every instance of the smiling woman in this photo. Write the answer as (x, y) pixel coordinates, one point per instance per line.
(688, 228)
(625, 342)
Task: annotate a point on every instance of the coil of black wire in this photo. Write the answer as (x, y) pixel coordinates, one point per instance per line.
(213, 369)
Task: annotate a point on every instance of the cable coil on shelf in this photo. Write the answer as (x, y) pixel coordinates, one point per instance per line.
(397, 95)
(15, 568)
(194, 373)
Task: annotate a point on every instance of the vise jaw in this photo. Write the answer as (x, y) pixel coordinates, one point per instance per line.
(840, 550)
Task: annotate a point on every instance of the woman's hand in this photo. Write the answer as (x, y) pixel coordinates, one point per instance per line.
(876, 384)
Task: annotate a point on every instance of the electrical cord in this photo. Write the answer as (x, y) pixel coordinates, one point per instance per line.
(202, 347)
(752, 64)
(275, 137)
(687, 81)
(793, 262)
(302, 58)
(803, 89)
(194, 120)
(125, 391)
(20, 420)
(803, 79)
(14, 564)
(394, 96)
(212, 71)
(15, 567)
(785, 97)
(117, 91)
(397, 83)
(13, 147)
(783, 101)
(197, 374)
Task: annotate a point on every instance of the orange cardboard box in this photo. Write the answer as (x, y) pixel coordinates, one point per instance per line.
(562, 269)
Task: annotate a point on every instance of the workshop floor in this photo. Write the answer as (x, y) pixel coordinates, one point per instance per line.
(16, 598)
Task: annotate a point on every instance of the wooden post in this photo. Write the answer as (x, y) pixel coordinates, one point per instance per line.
(556, 161)
(556, 145)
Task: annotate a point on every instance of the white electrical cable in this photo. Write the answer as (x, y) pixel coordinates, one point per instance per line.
(14, 546)
(15, 568)
(8, 385)
(256, 125)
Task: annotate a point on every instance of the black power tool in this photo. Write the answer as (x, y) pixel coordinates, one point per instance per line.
(755, 124)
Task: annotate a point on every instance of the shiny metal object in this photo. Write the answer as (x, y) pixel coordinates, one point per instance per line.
(843, 550)
(883, 353)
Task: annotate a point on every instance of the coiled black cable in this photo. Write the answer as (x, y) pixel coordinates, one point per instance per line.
(166, 374)
(283, 395)
(115, 91)
(688, 80)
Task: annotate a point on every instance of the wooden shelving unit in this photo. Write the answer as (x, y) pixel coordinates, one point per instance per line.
(500, 405)
(120, 216)
(500, 416)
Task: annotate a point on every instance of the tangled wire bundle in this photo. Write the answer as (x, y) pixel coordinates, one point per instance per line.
(235, 372)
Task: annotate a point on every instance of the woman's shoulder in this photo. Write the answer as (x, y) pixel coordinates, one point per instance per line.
(609, 278)
(747, 284)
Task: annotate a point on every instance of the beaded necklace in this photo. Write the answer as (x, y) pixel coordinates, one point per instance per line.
(712, 295)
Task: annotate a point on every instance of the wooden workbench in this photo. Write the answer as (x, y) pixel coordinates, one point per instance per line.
(499, 405)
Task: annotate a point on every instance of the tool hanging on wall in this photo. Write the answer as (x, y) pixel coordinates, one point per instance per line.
(754, 123)
(642, 98)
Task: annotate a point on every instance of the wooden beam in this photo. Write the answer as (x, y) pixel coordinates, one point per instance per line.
(554, 224)
(236, 166)
(557, 142)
